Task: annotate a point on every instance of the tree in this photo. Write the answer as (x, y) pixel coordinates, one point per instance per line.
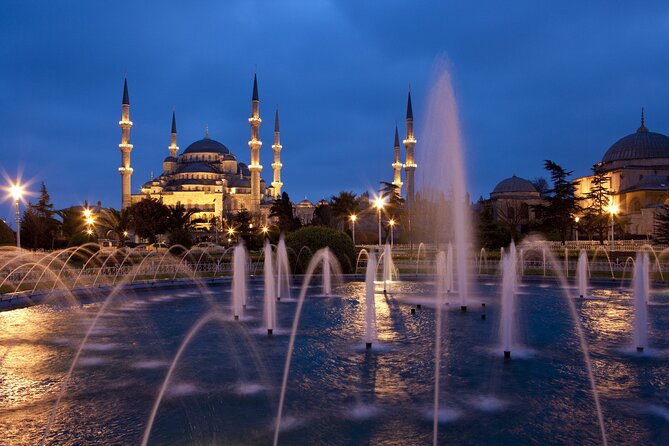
(323, 216)
(38, 226)
(282, 210)
(149, 217)
(7, 236)
(596, 213)
(541, 184)
(343, 206)
(562, 202)
(394, 203)
(491, 234)
(181, 224)
(662, 224)
(115, 223)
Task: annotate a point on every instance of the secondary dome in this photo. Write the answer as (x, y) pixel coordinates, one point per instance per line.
(207, 145)
(514, 184)
(640, 145)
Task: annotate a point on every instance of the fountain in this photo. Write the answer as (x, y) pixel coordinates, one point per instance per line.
(582, 273)
(449, 286)
(239, 280)
(282, 270)
(270, 296)
(370, 305)
(388, 267)
(509, 287)
(641, 286)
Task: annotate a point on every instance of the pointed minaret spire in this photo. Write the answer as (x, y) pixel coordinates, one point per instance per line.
(254, 144)
(397, 164)
(126, 98)
(125, 170)
(255, 88)
(276, 165)
(409, 144)
(206, 131)
(643, 123)
(173, 148)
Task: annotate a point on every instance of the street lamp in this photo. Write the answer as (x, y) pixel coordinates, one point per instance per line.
(613, 210)
(392, 231)
(16, 191)
(577, 220)
(378, 203)
(353, 219)
(89, 219)
(265, 230)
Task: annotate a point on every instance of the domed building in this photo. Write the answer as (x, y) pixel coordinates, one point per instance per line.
(638, 167)
(513, 201)
(207, 176)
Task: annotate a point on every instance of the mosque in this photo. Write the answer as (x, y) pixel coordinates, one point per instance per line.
(207, 176)
(638, 168)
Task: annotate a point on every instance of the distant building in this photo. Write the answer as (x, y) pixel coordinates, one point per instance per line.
(304, 211)
(638, 165)
(513, 202)
(207, 175)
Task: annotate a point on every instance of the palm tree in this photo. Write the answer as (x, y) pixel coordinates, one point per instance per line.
(115, 223)
(343, 206)
(181, 218)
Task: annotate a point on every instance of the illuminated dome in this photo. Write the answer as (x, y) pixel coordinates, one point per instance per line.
(207, 145)
(514, 184)
(640, 145)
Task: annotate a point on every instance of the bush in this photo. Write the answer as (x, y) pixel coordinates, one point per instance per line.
(317, 237)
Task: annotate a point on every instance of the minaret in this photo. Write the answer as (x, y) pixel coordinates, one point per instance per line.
(397, 164)
(409, 144)
(174, 148)
(276, 165)
(254, 145)
(126, 148)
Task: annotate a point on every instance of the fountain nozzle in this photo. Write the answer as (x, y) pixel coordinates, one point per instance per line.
(507, 354)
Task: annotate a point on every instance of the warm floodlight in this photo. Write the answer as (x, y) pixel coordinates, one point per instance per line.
(391, 222)
(265, 229)
(378, 203)
(577, 219)
(612, 209)
(354, 217)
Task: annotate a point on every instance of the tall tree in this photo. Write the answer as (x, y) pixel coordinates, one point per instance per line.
(149, 217)
(394, 206)
(7, 236)
(282, 210)
(599, 200)
(39, 227)
(561, 198)
(343, 206)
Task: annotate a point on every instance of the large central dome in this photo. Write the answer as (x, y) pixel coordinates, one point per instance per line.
(640, 145)
(207, 145)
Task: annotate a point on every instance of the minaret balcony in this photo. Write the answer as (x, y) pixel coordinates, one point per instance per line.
(255, 144)
(125, 170)
(277, 165)
(397, 165)
(410, 166)
(411, 140)
(125, 147)
(255, 120)
(255, 167)
(126, 123)
(277, 147)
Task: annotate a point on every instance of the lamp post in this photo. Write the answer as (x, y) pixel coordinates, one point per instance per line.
(231, 232)
(90, 221)
(353, 219)
(392, 232)
(613, 210)
(16, 192)
(265, 230)
(378, 203)
(577, 220)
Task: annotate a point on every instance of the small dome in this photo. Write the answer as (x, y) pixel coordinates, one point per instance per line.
(243, 169)
(170, 159)
(640, 145)
(207, 145)
(515, 184)
(305, 203)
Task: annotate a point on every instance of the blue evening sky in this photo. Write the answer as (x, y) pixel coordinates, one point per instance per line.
(534, 80)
